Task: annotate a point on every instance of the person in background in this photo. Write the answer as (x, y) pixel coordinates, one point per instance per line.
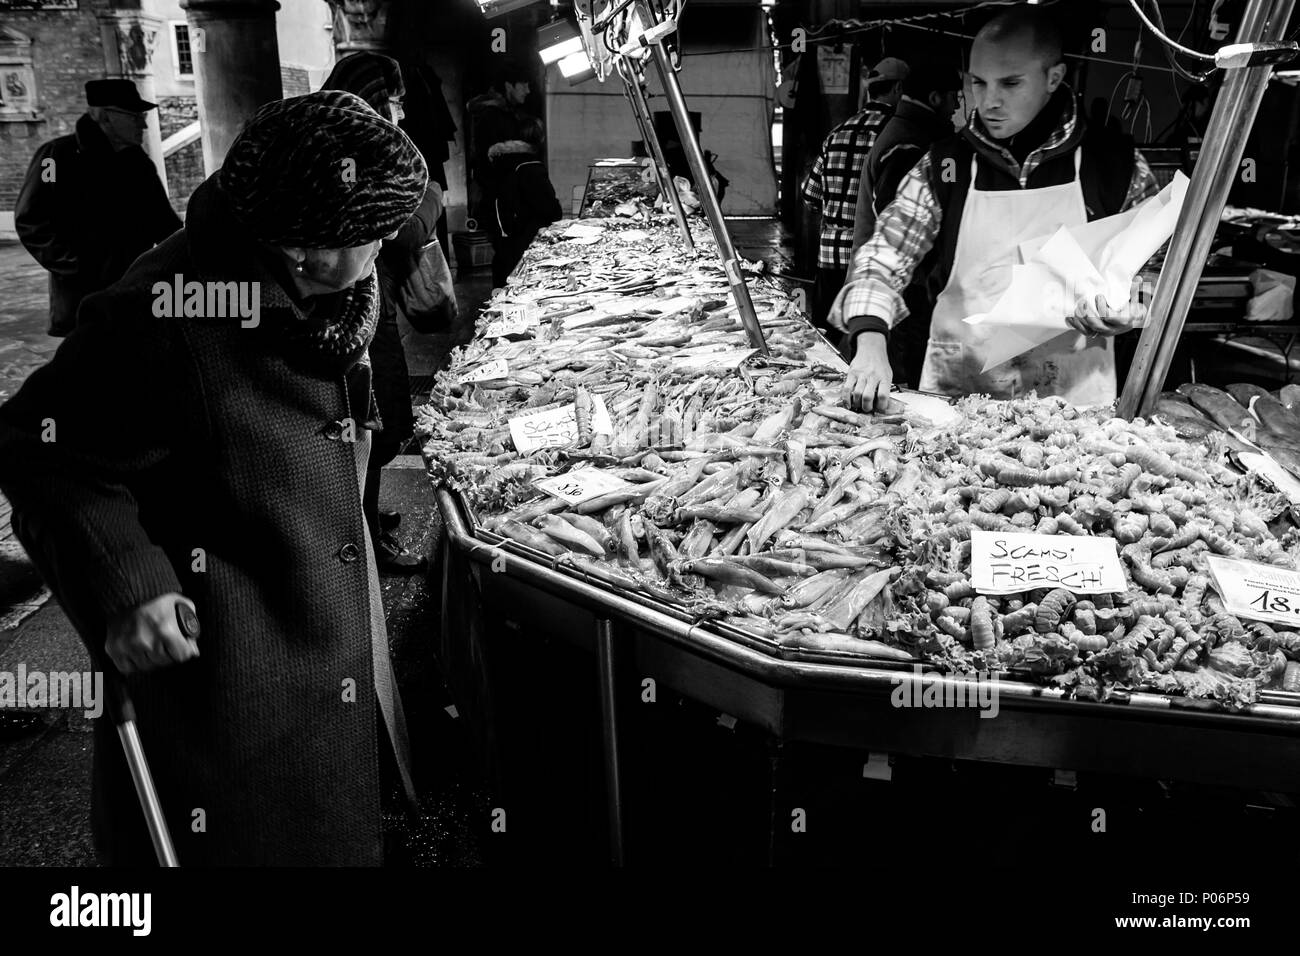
(92, 201)
(931, 95)
(377, 79)
(204, 461)
(675, 154)
(1025, 166)
(525, 199)
(428, 122)
(831, 188)
(494, 117)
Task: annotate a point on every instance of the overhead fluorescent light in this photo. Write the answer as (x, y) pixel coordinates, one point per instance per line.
(558, 39)
(576, 67)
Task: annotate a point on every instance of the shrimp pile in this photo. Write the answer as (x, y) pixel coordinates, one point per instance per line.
(750, 496)
(1168, 504)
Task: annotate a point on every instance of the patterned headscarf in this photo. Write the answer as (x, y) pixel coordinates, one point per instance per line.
(322, 171)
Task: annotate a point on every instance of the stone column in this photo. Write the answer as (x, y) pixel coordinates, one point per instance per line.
(360, 25)
(236, 67)
(128, 38)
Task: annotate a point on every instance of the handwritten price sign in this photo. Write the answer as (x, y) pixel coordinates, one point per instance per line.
(1260, 592)
(544, 428)
(1010, 562)
(513, 320)
(497, 368)
(581, 485)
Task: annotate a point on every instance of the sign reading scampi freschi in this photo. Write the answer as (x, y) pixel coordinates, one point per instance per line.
(1008, 562)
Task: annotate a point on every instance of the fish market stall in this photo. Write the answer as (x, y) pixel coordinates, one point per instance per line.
(650, 488)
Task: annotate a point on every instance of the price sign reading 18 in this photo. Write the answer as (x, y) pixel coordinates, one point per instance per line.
(1261, 592)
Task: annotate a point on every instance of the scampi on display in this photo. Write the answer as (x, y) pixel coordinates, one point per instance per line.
(750, 496)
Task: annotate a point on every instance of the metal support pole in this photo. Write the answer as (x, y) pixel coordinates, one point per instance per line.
(644, 119)
(704, 188)
(609, 734)
(1216, 168)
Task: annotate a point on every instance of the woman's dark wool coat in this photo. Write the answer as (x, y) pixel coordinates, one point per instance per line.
(191, 455)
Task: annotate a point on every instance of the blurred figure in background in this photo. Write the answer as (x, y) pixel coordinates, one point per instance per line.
(525, 200)
(831, 189)
(494, 117)
(92, 201)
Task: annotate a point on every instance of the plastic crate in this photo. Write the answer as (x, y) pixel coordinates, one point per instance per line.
(473, 250)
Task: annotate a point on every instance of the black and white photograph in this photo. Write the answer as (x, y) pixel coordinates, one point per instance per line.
(755, 442)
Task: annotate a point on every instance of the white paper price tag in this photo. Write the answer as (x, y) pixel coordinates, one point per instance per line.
(513, 320)
(601, 423)
(1260, 592)
(497, 368)
(581, 485)
(544, 428)
(1010, 562)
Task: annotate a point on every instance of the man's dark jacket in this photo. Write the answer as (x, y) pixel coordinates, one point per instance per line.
(88, 215)
(909, 133)
(193, 455)
(901, 144)
(524, 204)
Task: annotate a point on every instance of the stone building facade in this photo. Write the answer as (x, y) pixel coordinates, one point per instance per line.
(61, 48)
(50, 48)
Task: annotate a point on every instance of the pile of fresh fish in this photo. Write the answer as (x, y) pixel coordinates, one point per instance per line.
(618, 191)
(1246, 414)
(740, 488)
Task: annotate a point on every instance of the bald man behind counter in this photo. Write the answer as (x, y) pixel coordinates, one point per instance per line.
(1025, 165)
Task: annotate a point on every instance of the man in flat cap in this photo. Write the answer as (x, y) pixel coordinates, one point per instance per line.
(184, 450)
(92, 200)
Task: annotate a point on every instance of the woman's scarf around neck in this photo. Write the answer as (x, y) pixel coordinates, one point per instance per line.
(325, 336)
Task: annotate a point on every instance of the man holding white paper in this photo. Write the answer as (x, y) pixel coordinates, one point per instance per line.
(1025, 166)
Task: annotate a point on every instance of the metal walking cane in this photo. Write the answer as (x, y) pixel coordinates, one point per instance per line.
(124, 718)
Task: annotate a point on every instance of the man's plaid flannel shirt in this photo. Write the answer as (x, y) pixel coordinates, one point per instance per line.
(832, 184)
(907, 230)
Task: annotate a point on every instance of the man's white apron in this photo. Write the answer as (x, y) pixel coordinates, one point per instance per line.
(993, 224)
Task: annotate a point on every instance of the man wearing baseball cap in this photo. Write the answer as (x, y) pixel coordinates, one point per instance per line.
(92, 200)
(831, 188)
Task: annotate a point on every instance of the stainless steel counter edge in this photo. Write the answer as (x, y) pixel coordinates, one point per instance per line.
(785, 673)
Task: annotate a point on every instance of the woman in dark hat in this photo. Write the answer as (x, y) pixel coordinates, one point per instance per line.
(218, 462)
(377, 79)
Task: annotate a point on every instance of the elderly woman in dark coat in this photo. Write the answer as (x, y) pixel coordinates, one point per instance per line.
(182, 448)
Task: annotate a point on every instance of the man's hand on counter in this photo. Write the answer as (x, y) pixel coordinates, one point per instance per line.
(866, 388)
(1094, 316)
